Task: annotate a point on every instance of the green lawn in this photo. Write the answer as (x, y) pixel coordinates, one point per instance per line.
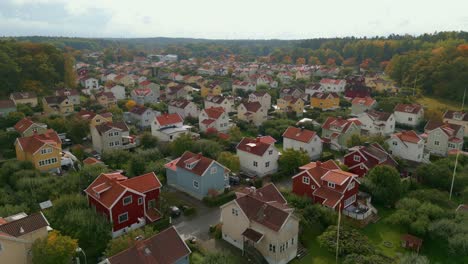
(316, 255)
(438, 103)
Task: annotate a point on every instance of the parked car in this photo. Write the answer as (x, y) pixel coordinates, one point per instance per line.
(174, 211)
(234, 180)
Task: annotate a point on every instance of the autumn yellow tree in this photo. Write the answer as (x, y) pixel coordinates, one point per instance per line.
(287, 59)
(300, 61)
(69, 73)
(55, 248)
(130, 104)
(314, 60)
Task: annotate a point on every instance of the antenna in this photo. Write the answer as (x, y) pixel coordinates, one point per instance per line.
(458, 154)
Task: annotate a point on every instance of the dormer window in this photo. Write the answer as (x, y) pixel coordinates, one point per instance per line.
(331, 185)
(357, 158)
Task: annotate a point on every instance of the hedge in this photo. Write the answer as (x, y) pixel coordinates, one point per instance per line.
(219, 199)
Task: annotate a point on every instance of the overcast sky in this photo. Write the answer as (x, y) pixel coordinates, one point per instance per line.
(235, 19)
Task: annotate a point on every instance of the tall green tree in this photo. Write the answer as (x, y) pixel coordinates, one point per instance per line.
(384, 184)
(55, 248)
(291, 160)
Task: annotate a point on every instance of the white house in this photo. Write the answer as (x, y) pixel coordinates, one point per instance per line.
(251, 112)
(117, 90)
(303, 139)
(168, 127)
(213, 119)
(89, 84)
(333, 85)
(409, 114)
(226, 102)
(243, 85)
(360, 105)
(407, 145)
(257, 156)
(183, 107)
(263, 98)
(314, 88)
(443, 137)
(377, 123)
(141, 116)
(458, 118)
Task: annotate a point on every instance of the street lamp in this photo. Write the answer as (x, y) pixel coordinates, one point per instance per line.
(78, 250)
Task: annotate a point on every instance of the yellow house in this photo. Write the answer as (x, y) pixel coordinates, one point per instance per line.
(211, 89)
(95, 119)
(106, 99)
(42, 150)
(325, 101)
(57, 105)
(17, 235)
(290, 104)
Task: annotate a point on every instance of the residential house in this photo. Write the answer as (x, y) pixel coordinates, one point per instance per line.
(325, 183)
(179, 91)
(147, 92)
(110, 136)
(409, 114)
(285, 77)
(72, 94)
(168, 127)
(360, 105)
(290, 104)
(18, 233)
(267, 80)
(260, 220)
(6, 107)
(377, 123)
(252, 112)
(197, 175)
(336, 131)
(211, 88)
(165, 247)
(226, 102)
(443, 137)
(44, 151)
(125, 80)
(213, 119)
(117, 90)
(356, 87)
(407, 145)
(106, 99)
(89, 85)
(57, 105)
(457, 118)
(303, 74)
(263, 98)
(155, 88)
(245, 86)
(294, 92)
(314, 88)
(325, 101)
(26, 127)
(303, 140)
(126, 203)
(94, 118)
(183, 107)
(257, 156)
(141, 116)
(333, 85)
(28, 98)
(361, 159)
(380, 85)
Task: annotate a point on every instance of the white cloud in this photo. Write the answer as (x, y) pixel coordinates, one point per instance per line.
(266, 19)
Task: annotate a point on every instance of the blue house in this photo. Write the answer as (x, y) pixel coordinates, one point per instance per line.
(196, 175)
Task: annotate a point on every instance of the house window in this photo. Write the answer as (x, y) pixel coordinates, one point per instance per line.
(255, 164)
(111, 144)
(140, 200)
(127, 200)
(312, 186)
(357, 158)
(451, 145)
(214, 170)
(436, 143)
(117, 143)
(235, 212)
(267, 164)
(292, 241)
(395, 143)
(123, 217)
(331, 185)
(195, 184)
(351, 185)
(410, 119)
(306, 180)
(46, 150)
(270, 152)
(272, 248)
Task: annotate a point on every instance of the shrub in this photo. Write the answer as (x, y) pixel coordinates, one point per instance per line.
(219, 200)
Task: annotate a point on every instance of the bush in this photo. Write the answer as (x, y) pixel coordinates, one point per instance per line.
(219, 200)
(327, 156)
(189, 211)
(162, 224)
(258, 183)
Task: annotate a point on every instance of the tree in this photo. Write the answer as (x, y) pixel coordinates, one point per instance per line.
(235, 134)
(351, 241)
(147, 141)
(366, 259)
(291, 160)
(384, 184)
(414, 259)
(209, 148)
(130, 104)
(55, 248)
(216, 258)
(126, 241)
(69, 71)
(181, 144)
(229, 160)
(300, 61)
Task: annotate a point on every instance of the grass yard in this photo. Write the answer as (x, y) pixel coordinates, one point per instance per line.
(437, 103)
(316, 255)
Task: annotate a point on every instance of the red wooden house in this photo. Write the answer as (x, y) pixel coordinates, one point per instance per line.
(327, 184)
(356, 87)
(361, 159)
(127, 203)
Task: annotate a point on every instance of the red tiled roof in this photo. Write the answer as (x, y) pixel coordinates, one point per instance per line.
(367, 101)
(456, 115)
(253, 145)
(408, 108)
(408, 136)
(331, 81)
(23, 124)
(142, 91)
(344, 124)
(214, 112)
(143, 183)
(91, 161)
(267, 139)
(169, 119)
(298, 134)
(338, 177)
(331, 197)
(33, 143)
(321, 95)
(200, 162)
(252, 106)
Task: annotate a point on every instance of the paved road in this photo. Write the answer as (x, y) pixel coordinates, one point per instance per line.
(198, 225)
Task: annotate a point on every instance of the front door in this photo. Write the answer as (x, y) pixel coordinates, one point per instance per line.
(151, 204)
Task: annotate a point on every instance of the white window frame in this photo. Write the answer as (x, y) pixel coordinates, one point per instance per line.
(213, 170)
(351, 185)
(267, 164)
(196, 184)
(127, 203)
(305, 180)
(331, 185)
(140, 200)
(312, 186)
(357, 158)
(255, 164)
(120, 215)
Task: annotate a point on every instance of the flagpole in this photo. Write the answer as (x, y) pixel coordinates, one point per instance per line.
(338, 233)
(458, 154)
